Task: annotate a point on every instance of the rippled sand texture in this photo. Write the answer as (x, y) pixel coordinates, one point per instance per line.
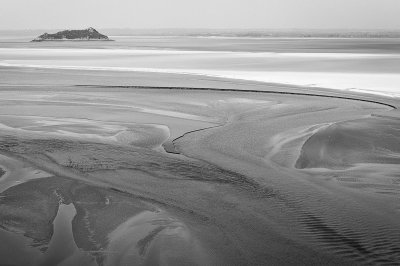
(117, 176)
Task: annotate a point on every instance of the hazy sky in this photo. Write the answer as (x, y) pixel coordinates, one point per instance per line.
(349, 14)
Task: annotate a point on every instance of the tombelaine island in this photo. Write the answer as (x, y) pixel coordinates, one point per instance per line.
(71, 35)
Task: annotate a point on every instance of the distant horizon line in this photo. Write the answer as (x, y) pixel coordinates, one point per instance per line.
(211, 29)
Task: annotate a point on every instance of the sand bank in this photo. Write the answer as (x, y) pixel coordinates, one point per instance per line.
(233, 197)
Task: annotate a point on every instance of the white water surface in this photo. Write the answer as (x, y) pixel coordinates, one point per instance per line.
(365, 71)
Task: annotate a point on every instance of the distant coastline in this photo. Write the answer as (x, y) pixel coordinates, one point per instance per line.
(232, 33)
(257, 33)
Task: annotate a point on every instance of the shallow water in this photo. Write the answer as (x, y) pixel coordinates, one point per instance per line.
(62, 249)
(372, 68)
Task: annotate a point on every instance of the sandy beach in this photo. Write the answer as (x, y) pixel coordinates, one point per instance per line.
(153, 168)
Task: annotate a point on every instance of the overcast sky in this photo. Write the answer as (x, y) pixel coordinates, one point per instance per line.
(60, 14)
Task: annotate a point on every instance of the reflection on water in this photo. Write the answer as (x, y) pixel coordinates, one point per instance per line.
(56, 221)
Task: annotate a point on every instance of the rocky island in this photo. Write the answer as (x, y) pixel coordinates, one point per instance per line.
(89, 34)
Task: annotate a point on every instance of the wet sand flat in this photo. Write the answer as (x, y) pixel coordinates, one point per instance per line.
(207, 174)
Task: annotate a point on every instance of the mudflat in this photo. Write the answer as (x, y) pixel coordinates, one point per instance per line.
(190, 170)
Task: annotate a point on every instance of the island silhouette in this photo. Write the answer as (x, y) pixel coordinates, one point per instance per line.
(88, 34)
